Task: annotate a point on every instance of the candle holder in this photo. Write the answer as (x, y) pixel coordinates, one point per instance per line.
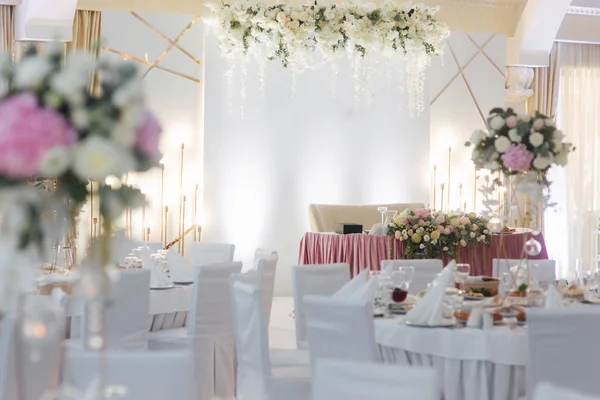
(166, 224)
(182, 234)
(449, 175)
(181, 228)
(147, 234)
(434, 184)
(162, 202)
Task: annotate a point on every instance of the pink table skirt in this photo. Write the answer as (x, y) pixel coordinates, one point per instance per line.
(366, 251)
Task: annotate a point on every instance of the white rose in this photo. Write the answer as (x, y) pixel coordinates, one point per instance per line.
(445, 249)
(472, 234)
(421, 246)
(549, 122)
(558, 135)
(536, 139)
(97, 157)
(304, 16)
(329, 14)
(494, 156)
(55, 162)
(52, 100)
(294, 25)
(513, 134)
(502, 144)
(80, 118)
(295, 15)
(524, 117)
(31, 72)
(492, 166)
(497, 122)
(541, 163)
(477, 136)
(281, 17)
(426, 238)
(128, 95)
(561, 158)
(123, 135)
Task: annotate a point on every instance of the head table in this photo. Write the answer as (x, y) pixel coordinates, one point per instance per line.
(362, 251)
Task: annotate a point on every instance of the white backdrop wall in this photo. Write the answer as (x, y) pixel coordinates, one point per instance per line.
(263, 168)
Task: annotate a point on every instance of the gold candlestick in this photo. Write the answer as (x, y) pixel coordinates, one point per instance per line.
(199, 233)
(459, 195)
(147, 234)
(94, 227)
(449, 174)
(166, 215)
(475, 190)
(143, 221)
(180, 194)
(442, 197)
(162, 201)
(195, 213)
(434, 188)
(182, 234)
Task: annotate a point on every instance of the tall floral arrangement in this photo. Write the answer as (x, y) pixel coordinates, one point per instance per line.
(428, 234)
(520, 144)
(53, 127)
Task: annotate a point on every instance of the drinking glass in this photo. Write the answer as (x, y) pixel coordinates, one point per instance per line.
(407, 274)
(506, 283)
(382, 210)
(461, 273)
(383, 295)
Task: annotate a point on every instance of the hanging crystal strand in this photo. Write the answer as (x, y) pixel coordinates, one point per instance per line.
(370, 66)
(261, 77)
(401, 76)
(229, 82)
(334, 78)
(293, 67)
(388, 74)
(243, 76)
(355, 65)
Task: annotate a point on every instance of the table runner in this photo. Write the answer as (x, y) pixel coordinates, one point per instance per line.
(362, 251)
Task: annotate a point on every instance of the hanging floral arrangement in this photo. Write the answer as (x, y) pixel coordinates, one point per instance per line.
(294, 34)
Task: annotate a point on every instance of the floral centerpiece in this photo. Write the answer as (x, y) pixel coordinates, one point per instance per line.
(53, 127)
(520, 144)
(429, 234)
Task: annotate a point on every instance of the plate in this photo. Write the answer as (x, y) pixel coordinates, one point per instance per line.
(521, 323)
(184, 283)
(445, 324)
(591, 301)
(165, 287)
(475, 298)
(508, 315)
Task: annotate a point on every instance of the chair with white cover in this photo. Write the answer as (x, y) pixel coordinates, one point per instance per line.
(211, 253)
(563, 348)
(126, 314)
(425, 271)
(319, 280)
(350, 380)
(547, 391)
(262, 253)
(137, 375)
(353, 285)
(209, 333)
(544, 271)
(258, 377)
(266, 268)
(340, 329)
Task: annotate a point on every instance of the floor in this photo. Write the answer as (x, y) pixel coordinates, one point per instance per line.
(282, 332)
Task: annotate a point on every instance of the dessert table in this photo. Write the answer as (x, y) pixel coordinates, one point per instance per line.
(362, 251)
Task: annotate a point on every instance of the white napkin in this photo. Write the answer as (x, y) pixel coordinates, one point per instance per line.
(55, 278)
(353, 285)
(476, 318)
(59, 297)
(147, 262)
(430, 310)
(181, 269)
(366, 291)
(158, 278)
(553, 298)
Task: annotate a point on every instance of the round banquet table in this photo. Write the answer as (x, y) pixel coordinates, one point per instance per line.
(472, 364)
(167, 309)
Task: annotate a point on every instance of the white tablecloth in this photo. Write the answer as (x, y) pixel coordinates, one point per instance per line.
(472, 364)
(168, 309)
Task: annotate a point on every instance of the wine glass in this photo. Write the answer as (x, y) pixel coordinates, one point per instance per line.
(461, 273)
(382, 210)
(407, 274)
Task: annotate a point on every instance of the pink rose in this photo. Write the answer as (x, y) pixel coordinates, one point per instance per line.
(410, 232)
(440, 219)
(398, 234)
(147, 136)
(518, 158)
(463, 243)
(475, 227)
(415, 226)
(27, 132)
(440, 229)
(422, 213)
(512, 121)
(421, 222)
(538, 124)
(464, 220)
(447, 231)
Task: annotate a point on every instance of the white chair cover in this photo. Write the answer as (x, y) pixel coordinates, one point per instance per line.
(366, 292)
(319, 280)
(209, 332)
(8, 330)
(425, 271)
(266, 268)
(126, 315)
(211, 253)
(547, 391)
(563, 348)
(353, 285)
(262, 253)
(545, 273)
(348, 380)
(252, 347)
(340, 329)
(161, 375)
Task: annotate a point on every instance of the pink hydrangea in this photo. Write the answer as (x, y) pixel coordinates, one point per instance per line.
(27, 132)
(147, 136)
(517, 158)
(422, 213)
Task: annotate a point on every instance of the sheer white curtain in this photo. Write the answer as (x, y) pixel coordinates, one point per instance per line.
(576, 188)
